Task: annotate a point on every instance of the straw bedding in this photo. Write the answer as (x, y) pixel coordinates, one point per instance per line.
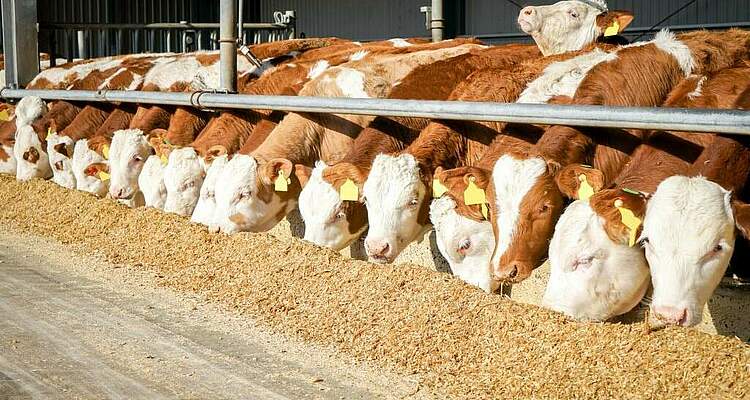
(460, 341)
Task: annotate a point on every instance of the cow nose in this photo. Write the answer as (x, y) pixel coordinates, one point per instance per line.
(377, 248)
(528, 11)
(213, 228)
(671, 315)
(512, 272)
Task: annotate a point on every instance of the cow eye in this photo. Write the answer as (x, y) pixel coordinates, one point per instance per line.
(573, 13)
(245, 194)
(718, 248)
(137, 158)
(340, 215)
(643, 242)
(413, 202)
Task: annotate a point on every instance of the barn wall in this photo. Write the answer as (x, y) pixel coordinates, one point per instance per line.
(369, 20)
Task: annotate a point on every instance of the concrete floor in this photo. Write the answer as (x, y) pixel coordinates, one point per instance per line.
(80, 328)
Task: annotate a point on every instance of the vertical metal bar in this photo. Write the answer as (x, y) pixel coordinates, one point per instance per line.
(228, 45)
(239, 21)
(169, 40)
(52, 48)
(81, 39)
(200, 39)
(20, 41)
(437, 24)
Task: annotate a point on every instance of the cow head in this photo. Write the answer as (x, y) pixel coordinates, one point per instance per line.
(60, 153)
(331, 221)
(397, 200)
(127, 156)
(183, 178)
(28, 150)
(83, 157)
(571, 25)
(597, 272)
(689, 235)
(31, 157)
(205, 209)
(247, 199)
(464, 236)
(524, 204)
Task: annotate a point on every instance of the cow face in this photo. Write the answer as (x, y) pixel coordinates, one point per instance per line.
(246, 199)
(570, 25)
(151, 182)
(127, 155)
(183, 178)
(592, 278)
(31, 158)
(83, 157)
(465, 243)
(60, 153)
(524, 203)
(688, 235)
(205, 209)
(329, 220)
(397, 206)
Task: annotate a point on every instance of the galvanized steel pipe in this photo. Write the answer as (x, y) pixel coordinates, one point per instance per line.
(437, 23)
(676, 119)
(228, 45)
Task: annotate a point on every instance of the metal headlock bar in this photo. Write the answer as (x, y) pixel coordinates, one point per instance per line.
(675, 119)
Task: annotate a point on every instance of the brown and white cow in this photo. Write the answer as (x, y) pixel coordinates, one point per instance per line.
(638, 75)
(398, 185)
(248, 201)
(571, 25)
(597, 272)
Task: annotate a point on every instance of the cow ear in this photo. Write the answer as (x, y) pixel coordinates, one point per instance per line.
(571, 179)
(215, 151)
(741, 213)
(272, 168)
(615, 19)
(303, 173)
(481, 177)
(95, 168)
(156, 138)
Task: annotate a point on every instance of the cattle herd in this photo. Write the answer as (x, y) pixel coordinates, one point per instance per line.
(614, 210)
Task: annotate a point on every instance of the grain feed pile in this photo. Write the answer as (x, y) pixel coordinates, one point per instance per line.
(461, 341)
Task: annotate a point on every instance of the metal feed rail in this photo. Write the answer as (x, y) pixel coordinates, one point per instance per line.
(677, 119)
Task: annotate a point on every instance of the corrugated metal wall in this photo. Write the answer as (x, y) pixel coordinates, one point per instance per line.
(379, 19)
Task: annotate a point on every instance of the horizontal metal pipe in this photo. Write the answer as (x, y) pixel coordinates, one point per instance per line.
(676, 119)
(161, 25)
(628, 31)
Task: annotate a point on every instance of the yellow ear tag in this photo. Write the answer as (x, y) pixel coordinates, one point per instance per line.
(473, 195)
(49, 132)
(438, 189)
(103, 176)
(613, 29)
(4, 115)
(281, 184)
(585, 191)
(349, 191)
(105, 152)
(485, 211)
(163, 159)
(629, 220)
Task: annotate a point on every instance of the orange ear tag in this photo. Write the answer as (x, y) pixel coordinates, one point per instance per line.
(438, 189)
(281, 184)
(349, 191)
(629, 220)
